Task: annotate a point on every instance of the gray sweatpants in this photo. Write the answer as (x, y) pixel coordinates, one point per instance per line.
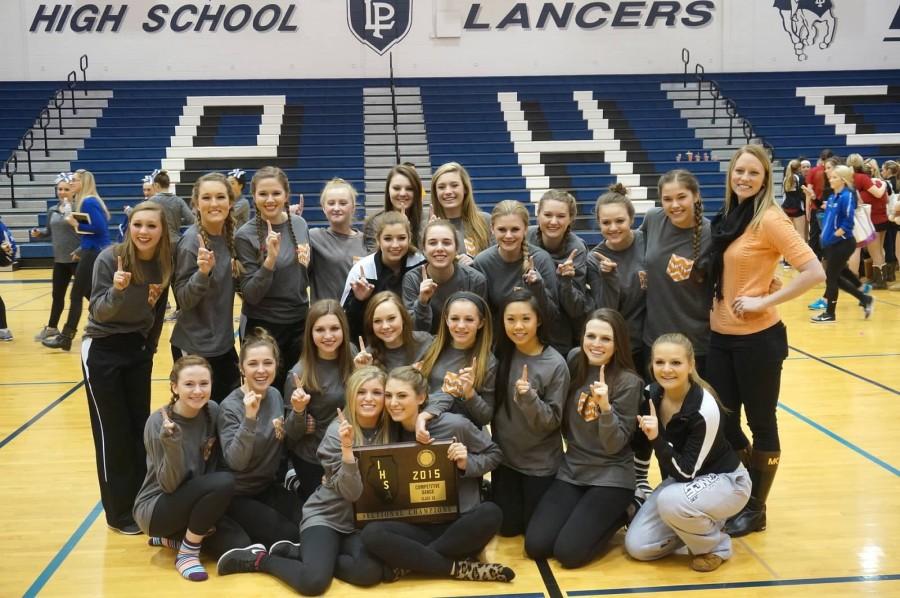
(691, 514)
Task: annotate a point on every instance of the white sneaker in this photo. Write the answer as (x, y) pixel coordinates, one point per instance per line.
(46, 332)
(5, 335)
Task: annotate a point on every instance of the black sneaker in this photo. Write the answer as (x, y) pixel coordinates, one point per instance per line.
(823, 318)
(131, 529)
(286, 549)
(241, 560)
(868, 306)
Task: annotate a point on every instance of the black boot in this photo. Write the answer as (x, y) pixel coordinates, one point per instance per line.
(890, 272)
(63, 340)
(878, 282)
(752, 518)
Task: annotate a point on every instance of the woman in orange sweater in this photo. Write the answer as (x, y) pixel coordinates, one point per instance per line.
(749, 342)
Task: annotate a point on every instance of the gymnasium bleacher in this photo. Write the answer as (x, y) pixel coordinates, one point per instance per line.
(516, 135)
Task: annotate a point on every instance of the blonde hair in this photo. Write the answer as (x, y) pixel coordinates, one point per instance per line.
(790, 183)
(335, 184)
(475, 228)
(676, 338)
(162, 255)
(353, 384)
(88, 189)
(511, 207)
(845, 173)
(765, 198)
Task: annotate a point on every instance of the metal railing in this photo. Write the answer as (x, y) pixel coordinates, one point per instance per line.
(394, 112)
(26, 142)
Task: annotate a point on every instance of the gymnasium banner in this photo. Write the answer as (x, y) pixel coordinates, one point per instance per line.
(356, 38)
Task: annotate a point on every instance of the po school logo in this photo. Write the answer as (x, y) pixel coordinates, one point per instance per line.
(808, 23)
(379, 24)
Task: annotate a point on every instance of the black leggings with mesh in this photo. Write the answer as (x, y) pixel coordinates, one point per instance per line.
(62, 275)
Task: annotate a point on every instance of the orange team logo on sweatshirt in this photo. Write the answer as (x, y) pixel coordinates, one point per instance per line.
(679, 268)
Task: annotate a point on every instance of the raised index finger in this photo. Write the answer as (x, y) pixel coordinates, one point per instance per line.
(525, 372)
(652, 408)
(296, 380)
(200, 240)
(424, 272)
(603, 374)
(362, 344)
(269, 224)
(121, 268)
(340, 415)
(572, 255)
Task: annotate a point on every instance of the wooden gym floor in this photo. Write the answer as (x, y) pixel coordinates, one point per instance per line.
(834, 513)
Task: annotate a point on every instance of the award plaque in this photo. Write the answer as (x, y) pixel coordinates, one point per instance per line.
(406, 482)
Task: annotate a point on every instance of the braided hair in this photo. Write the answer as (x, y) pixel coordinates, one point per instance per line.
(214, 177)
(687, 180)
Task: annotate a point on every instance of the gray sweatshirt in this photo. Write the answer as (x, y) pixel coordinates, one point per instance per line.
(505, 276)
(371, 243)
(527, 428)
(250, 447)
(122, 312)
(462, 231)
(427, 316)
(483, 454)
(331, 504)
(280, 295)
(623, 289)
(204, 325)
(64, 238)
(480, 408)
(172, 460)
(333, 255)
(241, 211)
(395, 358)
(672, 306)
(598, 453)
(177, 213)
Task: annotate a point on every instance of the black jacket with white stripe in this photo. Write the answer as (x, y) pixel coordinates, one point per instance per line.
(693, 443)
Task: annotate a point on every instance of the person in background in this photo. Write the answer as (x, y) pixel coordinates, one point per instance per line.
(237, 180)
(403, 192)
(7, 257)
(338, 246)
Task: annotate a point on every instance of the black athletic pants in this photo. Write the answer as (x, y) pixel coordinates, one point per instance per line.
(517, 495)
(3, 323)
(745, 371)
(267, 517)
(432, 549)
(838, 275)
(81, 288)
(575, 523)
(117, 373)
(325, 553)
(62, 275)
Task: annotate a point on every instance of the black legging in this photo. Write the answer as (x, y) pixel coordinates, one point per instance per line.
(81, 288)
(325, 553)
(226, 375)
(517, 495)
(745, 370)
(62, 274)
(837, 274)
(270, 516)
(3, 314)
(575, 523)
(309, 474)
(432, 549)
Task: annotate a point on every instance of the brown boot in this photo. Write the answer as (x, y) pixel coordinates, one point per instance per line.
(890, 272)
(878, 281)
(867, 269)
(706, 562)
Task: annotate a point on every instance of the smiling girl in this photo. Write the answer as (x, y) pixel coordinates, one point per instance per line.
(444, 549)
(425, 289)
(749, 341)
(532, 383)
(319, 375)
(273, 248)
(335, 248)
(205, 271)
(330, 546)
(389, 340)
(452, 199)
(403, 193)
(586, 503)
(124, 322)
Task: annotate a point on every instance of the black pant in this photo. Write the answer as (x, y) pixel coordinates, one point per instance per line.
(81, 288)
(289, 337)
(62, 274)
(575, 523)
(815, 234)
(432, 549)
(309, 474)
(517, 495)
(270, 516)
(890, 243)
(745, 370)
(226, 375)
(838, 275)
(196, 506)
(325, 553)
(117, 373)
(3, 323)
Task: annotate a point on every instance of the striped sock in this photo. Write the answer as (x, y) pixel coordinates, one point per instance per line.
(188, 562)
(166, 542)
(641, 472)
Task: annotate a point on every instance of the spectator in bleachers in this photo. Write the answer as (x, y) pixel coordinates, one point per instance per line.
(65, 243)
(273, 248)
(749, 341)
(7, 257)
(206, 267)
(93, 227)
(794, 198)
(403, 192)
(512, 262)
(890, 171)
(338, 246)
(426, 289)
(676, 255)
(380, 271)
(237, 180)
(838, 244)
(556, 213)
(872, 192)
(390, 340)
(453, 199)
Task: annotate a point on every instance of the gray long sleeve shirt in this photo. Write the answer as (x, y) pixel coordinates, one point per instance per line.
(174, 459)
(395, 358)
(206, 301)
(628, 294)
(278, 295)
(598, 453)
(480, 408)
(177, 213)
(333, 256)
(427, 316)
(61, 234)
(527, 427)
